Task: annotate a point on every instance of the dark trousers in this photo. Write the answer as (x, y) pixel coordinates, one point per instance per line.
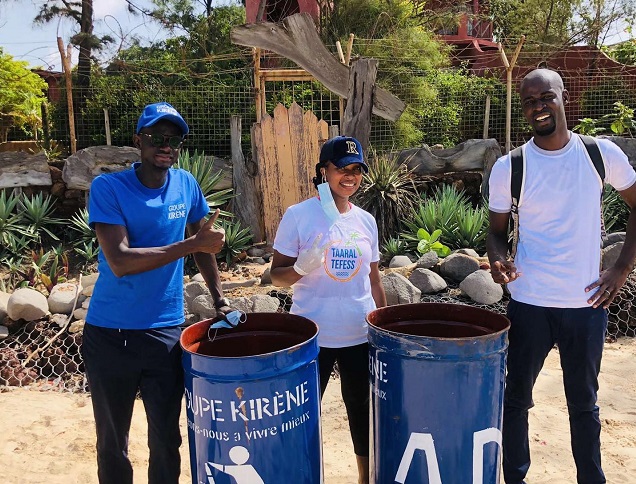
(579, 334)
(353, 365)
(119, 363)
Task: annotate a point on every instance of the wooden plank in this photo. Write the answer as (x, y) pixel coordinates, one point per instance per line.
(272, 196)
(287, 181)
(357, 117)
(312, 151)
(323, 132)
(296, 39)
(299, 152)
(248, 203)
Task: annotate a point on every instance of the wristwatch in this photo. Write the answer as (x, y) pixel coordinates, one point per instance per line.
(221, 302)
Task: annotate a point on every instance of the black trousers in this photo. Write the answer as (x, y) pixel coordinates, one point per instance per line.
(119, 363)
(353, 365)
(580, 335)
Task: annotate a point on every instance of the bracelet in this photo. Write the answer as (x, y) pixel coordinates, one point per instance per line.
(221, 302)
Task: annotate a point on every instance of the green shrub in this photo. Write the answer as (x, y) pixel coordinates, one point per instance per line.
(237, 240)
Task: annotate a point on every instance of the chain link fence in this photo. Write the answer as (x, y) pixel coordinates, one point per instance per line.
(59, 365)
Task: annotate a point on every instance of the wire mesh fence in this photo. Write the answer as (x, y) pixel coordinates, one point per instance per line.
(445, 105)
(28, 359)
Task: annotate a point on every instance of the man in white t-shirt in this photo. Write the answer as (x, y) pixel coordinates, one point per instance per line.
(558, 295)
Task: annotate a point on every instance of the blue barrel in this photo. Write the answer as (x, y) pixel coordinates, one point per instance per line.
(253, 401)
(437, 375)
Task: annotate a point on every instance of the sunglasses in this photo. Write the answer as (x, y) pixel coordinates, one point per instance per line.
(159, 140)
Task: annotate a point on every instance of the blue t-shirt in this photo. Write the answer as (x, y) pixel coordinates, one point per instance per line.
(153, 217)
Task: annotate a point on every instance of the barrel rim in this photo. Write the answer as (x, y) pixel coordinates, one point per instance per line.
(406, 307)
(211, 321)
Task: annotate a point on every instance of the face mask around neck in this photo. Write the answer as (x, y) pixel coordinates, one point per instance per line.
(328, 203)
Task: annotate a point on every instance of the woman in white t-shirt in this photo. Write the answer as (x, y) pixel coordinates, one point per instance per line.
(327, 249)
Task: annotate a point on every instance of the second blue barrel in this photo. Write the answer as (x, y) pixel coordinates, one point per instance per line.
(437, 374)
(253, 401)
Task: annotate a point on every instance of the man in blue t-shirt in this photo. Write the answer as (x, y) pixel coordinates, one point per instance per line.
(131, 337)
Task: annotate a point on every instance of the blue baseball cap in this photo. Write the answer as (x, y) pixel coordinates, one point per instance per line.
(153, 113)
(342, 151)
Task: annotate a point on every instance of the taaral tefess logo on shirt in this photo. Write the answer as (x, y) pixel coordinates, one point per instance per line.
(343, 260)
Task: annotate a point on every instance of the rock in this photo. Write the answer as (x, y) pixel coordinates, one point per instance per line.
(89, 279)
(427, 260)
(203, 305)
(405, 271)
(76, 326)
(427, 281)
(256, 260)
(62, 298)
(255, 252)
(458, 266)
(613, 238)
(88, 291)
(18, 169)
(4, 300)
(470, 252)
(262, 303)
(610, 254)
(4, 332)
(86, 303)
(232, 284)
(80, 313)
(197, 278)
(27, 304)
(266, 277)
(190, 319)
(81, 167)
(480, 287)
(59, 319)
(193, 289)
(399, 289)
(400, 261)
(241, 303)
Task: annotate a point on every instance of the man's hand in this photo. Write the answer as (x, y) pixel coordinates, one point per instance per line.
(309, 260)
(609, 285)
(503, 271)
(210, 239)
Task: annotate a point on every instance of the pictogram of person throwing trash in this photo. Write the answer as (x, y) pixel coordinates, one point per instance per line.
(241, 472)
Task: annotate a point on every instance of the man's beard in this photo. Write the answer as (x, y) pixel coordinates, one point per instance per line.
(546, 131)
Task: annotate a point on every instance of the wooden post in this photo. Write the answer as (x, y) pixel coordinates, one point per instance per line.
(66, 64)
(248, 202)
(107, 127)
(257, 83)
(46, 129)
(509, 68)
(486, 117)
(357, 119)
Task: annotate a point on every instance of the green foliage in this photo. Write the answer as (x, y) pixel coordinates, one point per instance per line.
(387, 192)
(79, 225)
(21, 95)
(620, 122)
(237, 240)
(15, 233)
(625, 52)
(393, 246)
(37, 211)
(202, 169)
(430, 242)
(450, 212)
(599, 100)
(88, 250)
(615, 211)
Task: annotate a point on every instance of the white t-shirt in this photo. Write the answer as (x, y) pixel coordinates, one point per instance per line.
(337, 295)
(558, 253)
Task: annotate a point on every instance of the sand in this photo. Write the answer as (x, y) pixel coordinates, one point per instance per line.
(49, 436)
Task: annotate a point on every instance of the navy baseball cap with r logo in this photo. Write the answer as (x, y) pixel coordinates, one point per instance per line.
(342, 151)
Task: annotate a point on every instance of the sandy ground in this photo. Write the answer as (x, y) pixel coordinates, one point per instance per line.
(49, 437)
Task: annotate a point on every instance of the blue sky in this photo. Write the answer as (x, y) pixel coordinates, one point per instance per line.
(37, 44)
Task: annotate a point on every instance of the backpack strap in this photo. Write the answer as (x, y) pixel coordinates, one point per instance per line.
(517, 165)
(595, 154)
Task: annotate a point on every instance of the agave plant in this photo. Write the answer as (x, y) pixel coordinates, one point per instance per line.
(388, 192)
(471, 229)
(237, 240)
(15, 234)
(202, 170)
(38, 211)
(615, 210)
(79, 225)
(392, 247)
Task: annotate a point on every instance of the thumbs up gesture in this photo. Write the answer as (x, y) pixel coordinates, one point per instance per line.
(210, 239)
(311, 259)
